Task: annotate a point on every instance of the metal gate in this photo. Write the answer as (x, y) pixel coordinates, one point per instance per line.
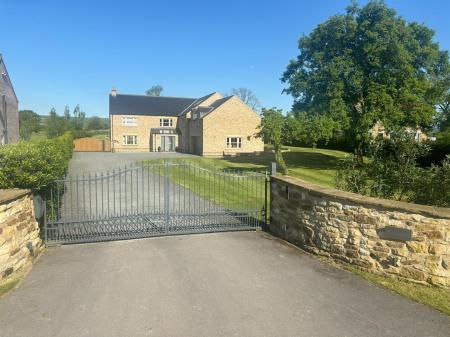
(154, 199)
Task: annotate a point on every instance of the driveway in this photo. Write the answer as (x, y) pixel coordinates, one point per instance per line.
(84, 162)
(227, 284)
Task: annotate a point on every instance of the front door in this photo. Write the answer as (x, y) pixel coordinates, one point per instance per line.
(168, 143)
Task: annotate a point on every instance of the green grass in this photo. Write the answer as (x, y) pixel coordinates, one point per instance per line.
(223, 181)
(432, 296)
(241, 191)
(313, 165)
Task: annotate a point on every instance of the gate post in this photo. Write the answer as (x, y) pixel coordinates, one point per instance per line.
(274, 169)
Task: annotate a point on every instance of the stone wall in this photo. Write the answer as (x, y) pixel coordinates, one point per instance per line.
(383, 236)
(19, 232)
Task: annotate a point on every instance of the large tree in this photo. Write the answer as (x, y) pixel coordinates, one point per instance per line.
(154, 90)
(368, 65)
(29, 122)
(247, 96)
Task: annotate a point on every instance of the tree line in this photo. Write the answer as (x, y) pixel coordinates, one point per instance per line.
(55, 125)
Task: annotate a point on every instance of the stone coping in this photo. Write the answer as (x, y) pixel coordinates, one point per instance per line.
(12, 194)
(401, 206)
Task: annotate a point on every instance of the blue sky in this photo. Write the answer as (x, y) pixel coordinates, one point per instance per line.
(73, 52)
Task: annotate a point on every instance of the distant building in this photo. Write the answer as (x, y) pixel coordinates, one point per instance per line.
(9, 106)
(208, 126)
(379, 131)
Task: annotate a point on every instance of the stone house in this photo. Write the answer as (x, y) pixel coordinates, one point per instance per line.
(212, 125)
(379, 130)
(9, 114)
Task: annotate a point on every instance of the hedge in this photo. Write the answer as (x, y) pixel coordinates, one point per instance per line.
(35, 165)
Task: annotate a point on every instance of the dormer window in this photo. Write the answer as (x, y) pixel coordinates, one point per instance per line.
(165, 122)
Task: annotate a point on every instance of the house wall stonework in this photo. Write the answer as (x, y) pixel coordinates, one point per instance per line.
(382, 236)
(19, 232)
(141, 130)
(231, 119)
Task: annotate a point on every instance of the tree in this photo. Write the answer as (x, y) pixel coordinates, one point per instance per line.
(154, 90)
(443, 117)
(77, 121)
(272, 130)
(29, 122)
(247, 96)
(96, 123)
(56, 125)
(67, 112)
(366, 66)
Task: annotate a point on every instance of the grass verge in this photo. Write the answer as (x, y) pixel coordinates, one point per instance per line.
(435, 297)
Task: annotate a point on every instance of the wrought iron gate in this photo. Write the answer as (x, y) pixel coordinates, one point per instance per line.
(154, 199)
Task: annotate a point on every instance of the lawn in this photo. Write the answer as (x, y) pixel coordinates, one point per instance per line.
(238, 183)
(313, 165)
(241, 191)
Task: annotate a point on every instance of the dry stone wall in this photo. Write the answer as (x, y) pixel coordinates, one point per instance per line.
(19, 232)
(383, 236)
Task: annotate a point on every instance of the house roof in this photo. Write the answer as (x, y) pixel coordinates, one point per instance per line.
(214, 106)
(148, 105)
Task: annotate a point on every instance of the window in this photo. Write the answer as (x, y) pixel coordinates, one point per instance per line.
(129, 140)
(234, 142)
(129, 121)
(165, 122)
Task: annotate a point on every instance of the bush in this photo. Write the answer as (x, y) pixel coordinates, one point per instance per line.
(35, 165)
(433, 185)
(392, 173)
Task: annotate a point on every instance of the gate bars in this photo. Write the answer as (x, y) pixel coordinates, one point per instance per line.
(153, 199)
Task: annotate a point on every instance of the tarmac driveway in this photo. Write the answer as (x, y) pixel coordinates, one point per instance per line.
(227, 284)
(84, 162)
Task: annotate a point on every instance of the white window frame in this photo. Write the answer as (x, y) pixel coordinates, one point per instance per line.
(129, 121)
(237, 144)
(162, 122)
(129, 140)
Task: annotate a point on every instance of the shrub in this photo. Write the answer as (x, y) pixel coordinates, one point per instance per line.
(35, 165)
(392, 172)
(433, 185)
(352, 177)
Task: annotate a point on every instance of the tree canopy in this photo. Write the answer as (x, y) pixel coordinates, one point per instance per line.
(366, 66)
(29, 122)
(154, 90)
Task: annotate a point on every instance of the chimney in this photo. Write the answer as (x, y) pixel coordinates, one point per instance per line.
(113, 92)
